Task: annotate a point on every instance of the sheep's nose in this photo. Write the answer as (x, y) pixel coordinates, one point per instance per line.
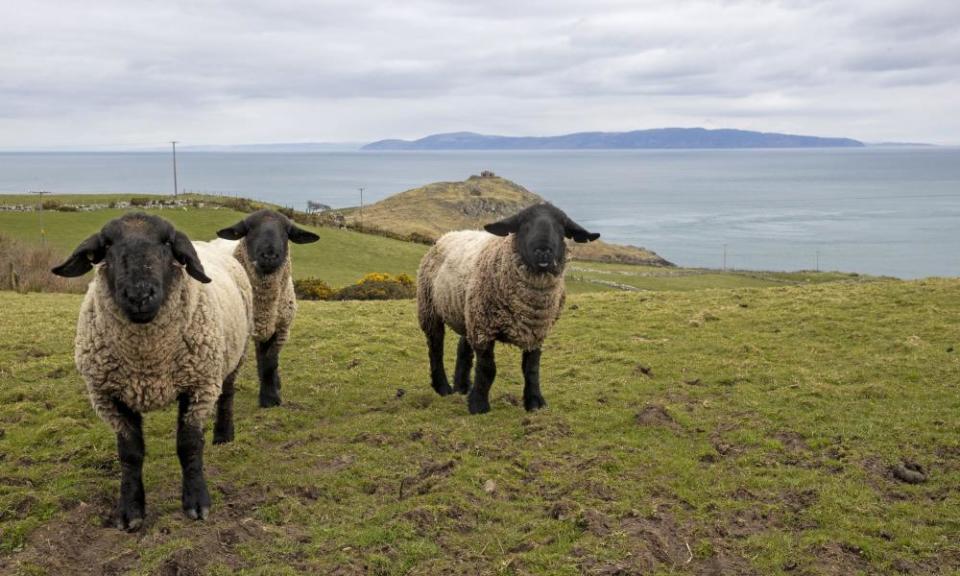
(268, 257)
(140, 295)
(543, 256)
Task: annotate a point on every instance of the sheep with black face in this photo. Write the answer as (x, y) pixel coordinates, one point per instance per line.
(502, 285)
(163, 320)
(263, 252)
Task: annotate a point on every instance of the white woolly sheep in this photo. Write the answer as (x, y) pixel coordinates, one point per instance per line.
(504, 286)
(262, 250)
(148, 334)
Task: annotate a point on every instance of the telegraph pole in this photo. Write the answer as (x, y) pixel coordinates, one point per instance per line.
(43, 231)
(818, 259)
(361, 208)
(175, 188)
(724, 256)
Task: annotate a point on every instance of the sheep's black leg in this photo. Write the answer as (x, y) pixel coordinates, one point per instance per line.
(438, 376)
(223, 426)
(268, 358)
(532, 398)
(478, 400)
(461, 375)
(131, 508)
(195, 499)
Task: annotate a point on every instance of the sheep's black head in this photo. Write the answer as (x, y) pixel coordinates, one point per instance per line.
(267, 233)
(540, 232)
(142, 256)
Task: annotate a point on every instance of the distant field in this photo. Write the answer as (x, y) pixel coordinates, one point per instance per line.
(339, 258)
(344, 256)
(598, 276)
(740, 431)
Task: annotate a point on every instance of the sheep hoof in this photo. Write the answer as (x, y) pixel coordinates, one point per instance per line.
(128, 521)
(462, 388)
(269, 399)
(532, 403)
(478, 406)
(222, 436)
(444, 390)
(196, 503)
(199, 513)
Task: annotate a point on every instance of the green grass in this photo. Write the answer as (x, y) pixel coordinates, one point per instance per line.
(344, 256)
(734, 431)
(598, 276)
(340, 257)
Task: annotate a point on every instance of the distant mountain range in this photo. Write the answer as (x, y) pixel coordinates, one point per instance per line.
(659, 138)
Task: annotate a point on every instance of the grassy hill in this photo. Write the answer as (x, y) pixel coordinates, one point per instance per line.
(340, 257)
(343, 256)
(739, 431)
(429, 211)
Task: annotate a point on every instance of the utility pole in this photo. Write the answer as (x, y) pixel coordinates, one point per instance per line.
(175, 188)
(361, 208)
(818, 259)
(43, 231)
(724, 256)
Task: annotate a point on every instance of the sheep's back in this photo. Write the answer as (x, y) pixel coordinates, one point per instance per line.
(445, 273)
(230, 291)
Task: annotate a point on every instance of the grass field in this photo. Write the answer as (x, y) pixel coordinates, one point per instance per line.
(339, 258)
(344, 256)
(734, 431)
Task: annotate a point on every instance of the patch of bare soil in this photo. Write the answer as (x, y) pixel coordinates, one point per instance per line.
(656, 415)
(656, 543)
(82, 541)
(422, 482)
(839, 559)
(545, 427)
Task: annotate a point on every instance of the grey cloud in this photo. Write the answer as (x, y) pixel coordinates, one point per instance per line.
(423, 66)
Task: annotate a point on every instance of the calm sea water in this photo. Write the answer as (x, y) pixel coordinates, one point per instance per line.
(874, 210)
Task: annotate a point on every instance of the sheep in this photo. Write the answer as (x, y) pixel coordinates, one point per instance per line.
(505, 284)
(162, 320)
(263, 253)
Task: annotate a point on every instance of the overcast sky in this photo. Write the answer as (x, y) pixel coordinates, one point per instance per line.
(137, 73)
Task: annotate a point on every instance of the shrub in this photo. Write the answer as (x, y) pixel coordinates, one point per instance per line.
(50, 204)
(240, 205)
(379, 286)
(26, 268)
(419, 238)
(140, 201)
(67, 208)
(312, 289)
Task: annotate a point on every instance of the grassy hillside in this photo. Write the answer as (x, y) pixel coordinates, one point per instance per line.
(340, 257)
(430, 211)
(344, 256)
(745, 431)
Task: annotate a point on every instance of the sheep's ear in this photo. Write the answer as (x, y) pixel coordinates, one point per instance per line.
(91, 251)
(505, 226)
(235, 232)
(185, 254)
(573, 230)
(301, 236)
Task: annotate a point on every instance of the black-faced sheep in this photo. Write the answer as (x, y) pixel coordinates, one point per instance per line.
(263, 252)
(162, 320)
(506, 285)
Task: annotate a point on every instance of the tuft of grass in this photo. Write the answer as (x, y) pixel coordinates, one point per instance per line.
(760, 440)
(25, 267)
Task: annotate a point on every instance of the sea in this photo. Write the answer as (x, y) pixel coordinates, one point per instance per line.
(875, 210)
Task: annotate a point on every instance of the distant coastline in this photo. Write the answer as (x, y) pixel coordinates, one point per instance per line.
(659, 138)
